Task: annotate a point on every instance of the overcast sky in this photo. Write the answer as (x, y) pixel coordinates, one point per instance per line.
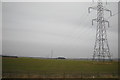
(34, 29)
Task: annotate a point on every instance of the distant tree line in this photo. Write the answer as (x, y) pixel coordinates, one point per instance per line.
(10, 56)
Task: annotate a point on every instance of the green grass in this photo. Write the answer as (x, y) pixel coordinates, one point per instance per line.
(49, 66)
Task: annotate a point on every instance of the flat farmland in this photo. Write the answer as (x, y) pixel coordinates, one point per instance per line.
(57, 68)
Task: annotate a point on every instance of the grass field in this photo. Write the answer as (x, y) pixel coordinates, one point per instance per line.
(36, 68)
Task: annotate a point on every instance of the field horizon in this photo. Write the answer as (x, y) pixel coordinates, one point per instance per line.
(57, 68)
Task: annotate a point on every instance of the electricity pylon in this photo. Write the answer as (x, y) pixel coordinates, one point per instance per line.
(51, 53)
(101, 47)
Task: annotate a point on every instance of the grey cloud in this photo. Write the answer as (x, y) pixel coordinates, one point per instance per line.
(33, 29)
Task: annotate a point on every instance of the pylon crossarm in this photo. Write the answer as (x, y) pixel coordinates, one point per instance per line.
(95, 8)
(94, 20)
(107, 22)
(108, 11)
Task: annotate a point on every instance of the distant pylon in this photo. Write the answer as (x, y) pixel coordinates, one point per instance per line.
(101, 47)
(51, 53)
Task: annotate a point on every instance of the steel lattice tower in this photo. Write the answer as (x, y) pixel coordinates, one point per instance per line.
(101, 48)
